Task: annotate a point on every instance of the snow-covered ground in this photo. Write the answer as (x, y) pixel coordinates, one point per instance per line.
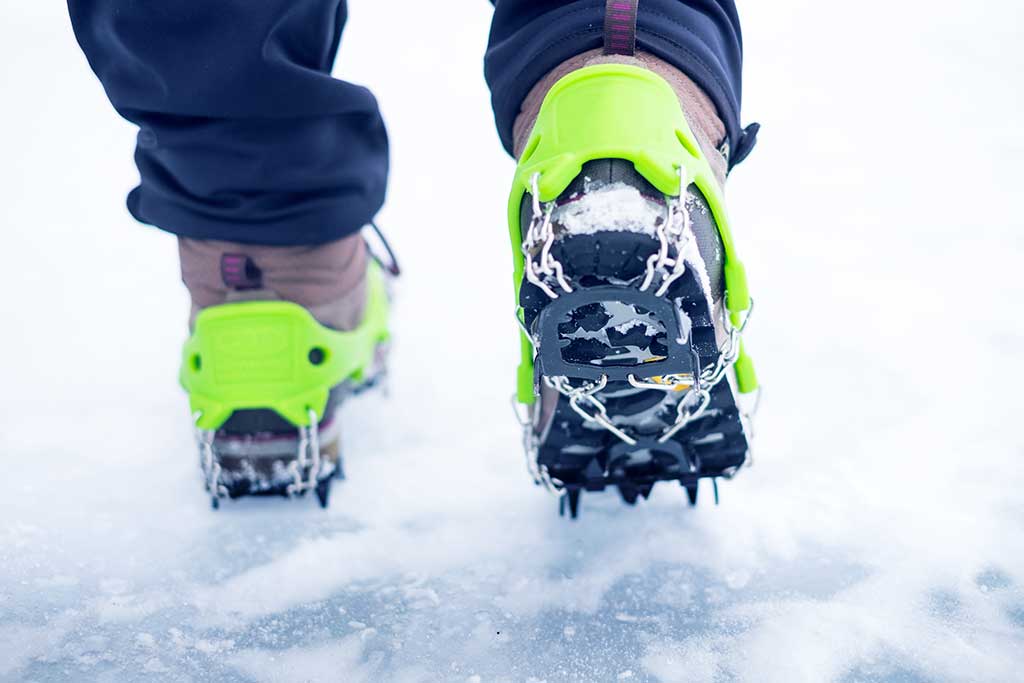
(878, 538)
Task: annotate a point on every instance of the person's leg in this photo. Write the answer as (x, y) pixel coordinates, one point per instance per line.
(243, 133)
(266, 168)
(622, 117)
(699, 38)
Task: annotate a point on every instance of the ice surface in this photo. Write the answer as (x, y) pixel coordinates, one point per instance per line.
(877, 539)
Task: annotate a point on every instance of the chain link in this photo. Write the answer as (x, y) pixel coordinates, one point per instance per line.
(674, 230)
(208, 462)
(730, 351)
(684, 416)
(540, 237)
(305, 468)
(531, 445)
(582, 396)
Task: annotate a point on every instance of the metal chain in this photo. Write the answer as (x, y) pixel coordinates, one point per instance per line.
(582, 396)
(685, 416)
(540, 236)
(211, 468)
(207, 460)
(678, 226)
(305, 469)
(730, 351)
(531, 445)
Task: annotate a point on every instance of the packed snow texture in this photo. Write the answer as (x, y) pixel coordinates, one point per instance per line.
(615, 207)
(878, 537)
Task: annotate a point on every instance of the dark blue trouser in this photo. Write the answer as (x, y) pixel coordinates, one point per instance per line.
(245, 136)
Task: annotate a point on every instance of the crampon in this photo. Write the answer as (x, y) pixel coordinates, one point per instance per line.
(631, 300)
(265, 382)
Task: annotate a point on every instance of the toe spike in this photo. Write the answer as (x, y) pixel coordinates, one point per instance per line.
(691, 493)
(323, 491)
(574, 502)
(629, 494)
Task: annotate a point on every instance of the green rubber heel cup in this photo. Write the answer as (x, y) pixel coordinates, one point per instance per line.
(275, 355)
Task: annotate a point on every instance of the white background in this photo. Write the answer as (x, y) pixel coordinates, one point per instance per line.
(878, 537)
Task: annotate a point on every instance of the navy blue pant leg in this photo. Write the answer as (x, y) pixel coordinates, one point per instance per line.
(699, 37)
(243, 133)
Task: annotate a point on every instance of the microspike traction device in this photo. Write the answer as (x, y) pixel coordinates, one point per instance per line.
(674, 414)
(273, 356)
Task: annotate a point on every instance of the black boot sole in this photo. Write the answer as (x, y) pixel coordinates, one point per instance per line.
(579, 455)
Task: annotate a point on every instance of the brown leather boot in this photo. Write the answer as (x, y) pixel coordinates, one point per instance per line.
(258, 450)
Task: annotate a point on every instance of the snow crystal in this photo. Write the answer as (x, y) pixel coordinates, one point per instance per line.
(611, 207)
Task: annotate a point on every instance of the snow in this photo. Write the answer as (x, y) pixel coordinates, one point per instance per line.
(614, 206)
(877, 539)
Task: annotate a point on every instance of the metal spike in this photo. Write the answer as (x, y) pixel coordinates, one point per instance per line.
(323, 491)
(215, 502)
(645, 490)
(691, 492)
(714, 483)
(629, 494)
(574, 502)
(561, 506)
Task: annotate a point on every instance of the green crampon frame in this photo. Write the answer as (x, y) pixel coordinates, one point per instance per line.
(275, 355)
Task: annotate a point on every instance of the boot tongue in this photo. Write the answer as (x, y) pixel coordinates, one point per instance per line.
(239, 272)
